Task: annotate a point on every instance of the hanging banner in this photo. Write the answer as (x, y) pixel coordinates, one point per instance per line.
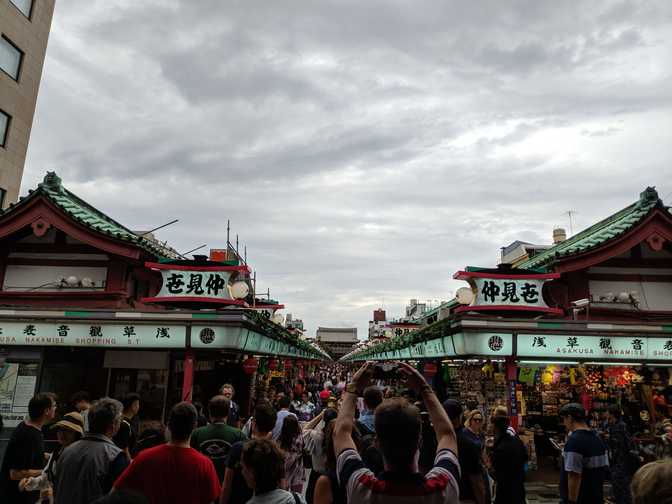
(493, 291)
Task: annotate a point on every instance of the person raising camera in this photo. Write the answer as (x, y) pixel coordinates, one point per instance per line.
(401, 481)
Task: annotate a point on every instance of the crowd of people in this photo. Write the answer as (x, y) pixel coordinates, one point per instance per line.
(336, 437)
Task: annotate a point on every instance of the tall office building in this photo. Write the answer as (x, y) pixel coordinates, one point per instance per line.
(24, 31)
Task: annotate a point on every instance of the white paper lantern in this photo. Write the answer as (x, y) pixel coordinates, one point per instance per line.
(240, 290)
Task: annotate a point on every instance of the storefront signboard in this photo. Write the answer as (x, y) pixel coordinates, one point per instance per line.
(206, 284)
(92, 334)
(243, 340)
(483, 343)
(598, 347)
(493, 291)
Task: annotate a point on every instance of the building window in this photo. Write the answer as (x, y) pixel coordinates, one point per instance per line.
(10, 58)
(4, 128)
(2, 197)
(25, 6)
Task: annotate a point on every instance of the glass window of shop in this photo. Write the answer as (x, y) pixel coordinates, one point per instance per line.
(144, 373)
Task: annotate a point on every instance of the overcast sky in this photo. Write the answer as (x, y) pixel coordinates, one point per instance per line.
(364, 151)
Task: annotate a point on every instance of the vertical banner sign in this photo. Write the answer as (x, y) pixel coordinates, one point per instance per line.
(188, 379)
(496, 291)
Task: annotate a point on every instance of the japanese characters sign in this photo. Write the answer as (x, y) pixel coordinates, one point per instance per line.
(478, 343)
(208, 284)
(506, 292)
(124, 335)
(599, 347)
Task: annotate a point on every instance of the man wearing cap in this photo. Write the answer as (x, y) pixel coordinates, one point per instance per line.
(473, 486)
(585, 460)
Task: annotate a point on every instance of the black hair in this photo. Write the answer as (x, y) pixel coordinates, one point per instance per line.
(266, 461)
(219, 407)
(284, 402)
(39, 403)
(128, 400)
(290, 430)
(500, 424)
(392, 417)
(372, 397)
(615, 411)
(182, 421)
(265, 417)
(80, 396)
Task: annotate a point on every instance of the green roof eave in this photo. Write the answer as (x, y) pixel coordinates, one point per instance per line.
(86, 215)
(597, 234)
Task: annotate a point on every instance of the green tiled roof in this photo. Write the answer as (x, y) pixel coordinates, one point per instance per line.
(80, 211)
(600, 233)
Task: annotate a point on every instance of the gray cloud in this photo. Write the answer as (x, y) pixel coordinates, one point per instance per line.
(364, 151)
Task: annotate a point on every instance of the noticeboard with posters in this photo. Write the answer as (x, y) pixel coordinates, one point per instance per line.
(17, 387)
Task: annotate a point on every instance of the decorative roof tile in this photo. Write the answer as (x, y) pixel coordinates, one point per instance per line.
(80, 211)
(598, 234)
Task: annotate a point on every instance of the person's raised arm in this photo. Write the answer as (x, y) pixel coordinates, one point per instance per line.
(443, 427)
(345, 420)
(314, 422)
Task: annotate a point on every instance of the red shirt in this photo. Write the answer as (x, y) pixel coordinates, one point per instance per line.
(167, 474)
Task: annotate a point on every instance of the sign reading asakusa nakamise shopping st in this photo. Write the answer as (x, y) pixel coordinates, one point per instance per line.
(499, 291)
(89, 334)
(602, 347)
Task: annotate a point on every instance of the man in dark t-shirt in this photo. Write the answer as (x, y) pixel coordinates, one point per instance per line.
(472, 479)
(215, 439)
(126, 436)
(24, 456)
(234, 487)
(585, 460)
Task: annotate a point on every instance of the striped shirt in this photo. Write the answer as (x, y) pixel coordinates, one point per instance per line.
(585, 454)
(439, 486)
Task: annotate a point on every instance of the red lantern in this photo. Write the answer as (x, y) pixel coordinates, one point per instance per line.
(288, 364)
(272, 365)
(250, 365)
(430, 369)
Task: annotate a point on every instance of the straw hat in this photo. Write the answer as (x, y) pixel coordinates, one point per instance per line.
(72, 421)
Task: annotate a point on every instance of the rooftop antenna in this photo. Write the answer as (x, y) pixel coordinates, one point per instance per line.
(570, 214)
(237, 254)
(254, 289)
(160, 227)
(228, 231)
(245, 260)
(193, 250)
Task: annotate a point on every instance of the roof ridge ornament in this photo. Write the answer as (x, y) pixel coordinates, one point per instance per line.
(52, 182)
(648, 195)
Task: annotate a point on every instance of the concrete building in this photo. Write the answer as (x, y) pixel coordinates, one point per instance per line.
(338, 341)
(415, 310)
(24, 32)
(378, 325)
